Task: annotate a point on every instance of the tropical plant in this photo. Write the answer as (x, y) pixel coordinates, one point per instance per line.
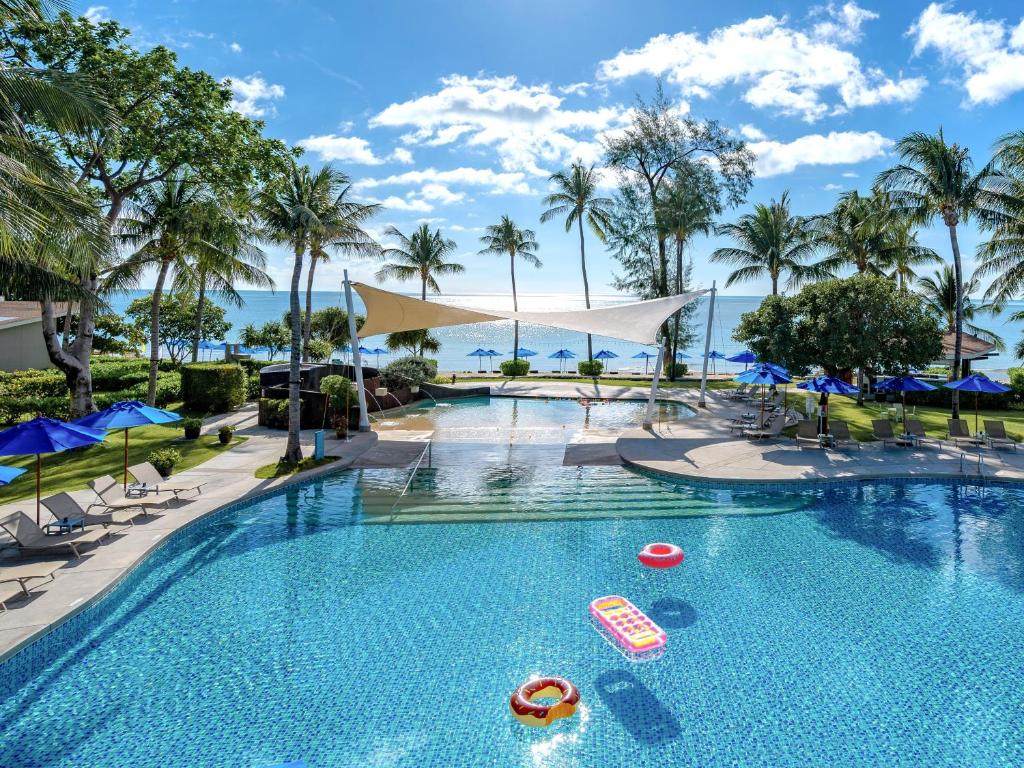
(319, 350)
(164, 119)
(341, 230)
(288, 209)
(415, 342)
(900, 254)
(506, 239)
(339, 391)
(937, 179)
(1002, 256)
(940, 297)
(420, 256)
(575, 197)
(164, 460)
(409, 371)
(271, 336)
(851, 233)
(770, 242)
(177, 313)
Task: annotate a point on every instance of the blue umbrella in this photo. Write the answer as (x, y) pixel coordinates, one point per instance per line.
(43, 435)
(522, 352)
(763, 374)
(491, 354)
(904, 384)
(976, 383)
(10, 473)
(646, 356)
(682, 356)
(605, 354)
(124, 415)
(716, 355)
(480, 354)
(746, 356)
(826, 385)
(378, 352)
(562, 354)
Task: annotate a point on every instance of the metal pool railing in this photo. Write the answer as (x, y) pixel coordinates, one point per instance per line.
(428, 452)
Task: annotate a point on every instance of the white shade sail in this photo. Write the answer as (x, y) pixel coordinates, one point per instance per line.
(388, 312)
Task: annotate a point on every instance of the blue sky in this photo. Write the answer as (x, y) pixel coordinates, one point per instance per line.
(456, 112)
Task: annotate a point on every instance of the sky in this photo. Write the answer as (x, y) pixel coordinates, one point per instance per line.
(456, 113)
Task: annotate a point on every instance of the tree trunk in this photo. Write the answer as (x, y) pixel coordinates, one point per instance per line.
(78, 377)
(197, 334)
(515, 307)
(679, 312)
(293, 450)
(775, 285)
(423, 287)
(66, 333)
(307, 324)
(958, 329)
(586, 286)
(154, 331)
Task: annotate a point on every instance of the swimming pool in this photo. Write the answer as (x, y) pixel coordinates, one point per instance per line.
(867, 625)
(486, 419)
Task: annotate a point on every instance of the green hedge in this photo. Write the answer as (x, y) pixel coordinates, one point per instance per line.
(252, 377)
(590, 367)
(213, 387)
(515, 367)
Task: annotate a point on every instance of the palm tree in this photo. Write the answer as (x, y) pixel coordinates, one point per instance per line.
(419, 257)
(166, 225)
(288, 209)
(341, 230)
(940, 296)
(938, 179)
(771, 242)
(576, 198)
(900, 252)
(852, 233)
(416, 342)
(507, 239)
(1003, 255)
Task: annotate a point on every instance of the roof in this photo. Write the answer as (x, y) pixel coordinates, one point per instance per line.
(388, 312)
(14, 313)
(971, 347)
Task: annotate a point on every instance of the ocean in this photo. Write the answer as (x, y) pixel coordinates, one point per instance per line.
(458, 341)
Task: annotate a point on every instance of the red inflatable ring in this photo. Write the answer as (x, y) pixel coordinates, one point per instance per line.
(529, 712)
(660, 555)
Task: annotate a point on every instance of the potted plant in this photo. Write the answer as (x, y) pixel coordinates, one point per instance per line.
(338, 390)
(225, 433)
(192, 428)
(164, 460)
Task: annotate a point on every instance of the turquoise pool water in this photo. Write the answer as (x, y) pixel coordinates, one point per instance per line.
(871, 625)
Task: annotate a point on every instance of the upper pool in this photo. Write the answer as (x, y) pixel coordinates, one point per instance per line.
(493, 418)
(870, 625)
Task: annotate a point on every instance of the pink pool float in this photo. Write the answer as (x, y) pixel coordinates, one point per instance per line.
(627, 625)
(661, 555)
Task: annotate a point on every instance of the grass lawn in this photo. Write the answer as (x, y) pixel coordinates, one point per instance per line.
(932, 417)
(280, 469)
(72, 470)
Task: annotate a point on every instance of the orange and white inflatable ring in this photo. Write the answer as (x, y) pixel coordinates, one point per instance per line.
(660, 555)
(529, 712)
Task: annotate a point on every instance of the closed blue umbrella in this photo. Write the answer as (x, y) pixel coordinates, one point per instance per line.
(976, 383)
(646, 357)
(562, 355)
(43, 435)
(125, 415)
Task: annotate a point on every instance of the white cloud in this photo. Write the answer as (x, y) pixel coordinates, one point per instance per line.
(849, 174)
(989, 54)
(251, 95)
(348, 149)
(96, 13)
(235, 48)
(575, 89)
(832, 187)
(525, 124)
(511, 182)
(396, 203)
(835, 148)
(441, 194)
(402, 155)
(460, 228)
(785, 69)
(752, 132)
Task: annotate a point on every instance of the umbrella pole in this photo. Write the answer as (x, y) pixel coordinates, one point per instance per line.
(975, 413)
(39, 462)
(126, 459)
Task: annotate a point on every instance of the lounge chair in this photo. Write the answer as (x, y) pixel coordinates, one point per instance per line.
(840, 432)
(881, 429)
(960, 434)
(155, 483)
(30, 537)
(739, 393)
(63, 506)
(995, 435)
(14, 580)
(112, 497)
(773, 429)
(916, 428)
(807, 434)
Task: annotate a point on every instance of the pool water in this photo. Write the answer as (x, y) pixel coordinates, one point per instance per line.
(486, 418)
(865, 625)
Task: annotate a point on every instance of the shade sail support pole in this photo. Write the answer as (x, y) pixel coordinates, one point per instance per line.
(649, 415)
(357, 359)
(702, 402)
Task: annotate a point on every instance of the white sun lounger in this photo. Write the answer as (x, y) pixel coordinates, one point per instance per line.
(30, 537)
(146, 473)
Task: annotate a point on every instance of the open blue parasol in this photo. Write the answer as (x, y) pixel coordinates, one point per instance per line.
(125, 415)
(43, 435)
(904, 384)
(826, 385)
(976, 383)
(646, 357)
(562, 355)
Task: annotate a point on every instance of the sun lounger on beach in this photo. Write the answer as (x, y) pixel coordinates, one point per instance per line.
(960, 434)
(774, 429)
(996, 437)
(155, 483)
(30, 537)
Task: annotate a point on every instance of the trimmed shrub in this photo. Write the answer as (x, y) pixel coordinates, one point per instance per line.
(677, 369)
(164, 460)
(515, 367)
(274, 412)
(590, 368)
(407, 372)
(192, 428)
(252, 374)
(213, 387)
(225, 433)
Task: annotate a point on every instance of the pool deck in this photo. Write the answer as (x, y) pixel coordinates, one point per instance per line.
(699, 448)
